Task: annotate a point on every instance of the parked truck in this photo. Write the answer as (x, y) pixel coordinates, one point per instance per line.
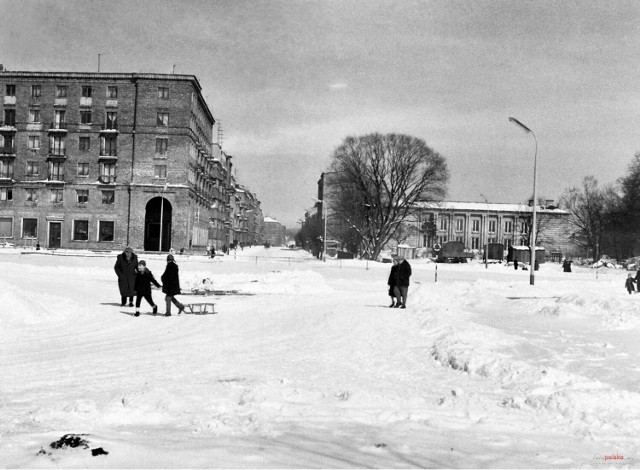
(452, 252)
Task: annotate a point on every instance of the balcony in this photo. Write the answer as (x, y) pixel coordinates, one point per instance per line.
(108, 128)
(57, 154)
(55, 178)
(105, 179)
(108, 155)
(8, 126)
(8, 150)
(58, 127)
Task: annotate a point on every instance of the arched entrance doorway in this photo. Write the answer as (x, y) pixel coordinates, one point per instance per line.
(157, 214)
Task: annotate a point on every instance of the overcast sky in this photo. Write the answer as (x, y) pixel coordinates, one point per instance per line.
(289, 80)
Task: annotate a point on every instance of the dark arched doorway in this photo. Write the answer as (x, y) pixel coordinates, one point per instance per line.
(157, 214)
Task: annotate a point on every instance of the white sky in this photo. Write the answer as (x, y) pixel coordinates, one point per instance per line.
(289, 80)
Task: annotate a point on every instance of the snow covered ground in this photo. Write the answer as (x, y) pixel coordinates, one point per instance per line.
(309, 368)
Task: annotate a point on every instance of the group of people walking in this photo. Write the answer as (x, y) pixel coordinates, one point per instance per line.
(135, 280)
(399, 282)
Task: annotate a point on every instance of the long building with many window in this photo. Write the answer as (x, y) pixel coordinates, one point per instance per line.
(102, 160)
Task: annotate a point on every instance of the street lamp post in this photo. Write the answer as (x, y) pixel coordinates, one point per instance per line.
(324, 239)
(533, 220)
(164, 188)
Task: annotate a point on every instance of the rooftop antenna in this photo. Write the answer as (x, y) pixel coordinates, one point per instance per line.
(99, 55)
(174, 69)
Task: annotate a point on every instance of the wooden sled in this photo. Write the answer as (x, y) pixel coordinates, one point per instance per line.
(201, 308)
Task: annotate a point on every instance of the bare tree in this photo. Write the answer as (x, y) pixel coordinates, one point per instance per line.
(589, 210)
(380, 178)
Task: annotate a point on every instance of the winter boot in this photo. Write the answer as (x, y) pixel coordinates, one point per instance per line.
(137, 314)
(180, 309)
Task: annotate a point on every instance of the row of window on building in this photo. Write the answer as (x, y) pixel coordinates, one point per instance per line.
(443, 224)
(86, 118)
(58, 144)
(56, 195)
(56, 171)
(475, 241)
(80, 230)
(87, 91)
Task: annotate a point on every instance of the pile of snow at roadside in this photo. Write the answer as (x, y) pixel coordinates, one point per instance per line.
(448, 312)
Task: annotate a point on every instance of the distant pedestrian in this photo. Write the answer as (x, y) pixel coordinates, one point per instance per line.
(171, 285)
(566, 265)
(515, 263)
(629, 284)
(126, 268)
(144, 279)
(392, 283)
(37, 246)
(213, 252)
(402, 281)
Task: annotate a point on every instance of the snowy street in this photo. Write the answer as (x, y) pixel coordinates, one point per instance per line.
(309, 368)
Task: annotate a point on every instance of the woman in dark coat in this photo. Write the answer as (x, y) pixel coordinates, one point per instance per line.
(171, 285)
(392, 282)
(126, 268)
(402, 281)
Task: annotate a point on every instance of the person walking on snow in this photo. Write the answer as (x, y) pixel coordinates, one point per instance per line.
(144, 279)
(171, 285)
(402, 281)
(126, 268)
(629, 284)
(392, 283)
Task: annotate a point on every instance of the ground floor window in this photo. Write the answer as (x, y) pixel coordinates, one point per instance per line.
(106, 230)
(29, 228)
(81, 230)
(475, 243)
(6, 227)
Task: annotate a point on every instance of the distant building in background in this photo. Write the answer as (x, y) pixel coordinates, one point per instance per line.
(476, 223)
(274, 232)
(103, 160)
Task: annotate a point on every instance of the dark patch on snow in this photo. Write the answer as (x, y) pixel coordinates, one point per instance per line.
(70, 440)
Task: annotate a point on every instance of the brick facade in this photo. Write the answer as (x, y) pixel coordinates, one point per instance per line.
(114, 146)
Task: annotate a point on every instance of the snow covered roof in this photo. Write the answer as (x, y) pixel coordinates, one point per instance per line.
(484, 206)
(270, 219)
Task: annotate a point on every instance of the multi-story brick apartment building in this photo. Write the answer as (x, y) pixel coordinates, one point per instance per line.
(103, 160)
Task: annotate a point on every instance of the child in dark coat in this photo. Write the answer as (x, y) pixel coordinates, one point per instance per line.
(171, 285)
(144, 279)
(629, 284)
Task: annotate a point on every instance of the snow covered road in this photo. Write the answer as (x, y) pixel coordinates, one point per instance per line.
(310, 369)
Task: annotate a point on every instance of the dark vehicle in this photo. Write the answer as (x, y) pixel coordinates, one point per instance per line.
(452, 252)
(495, 251)
(523, 254)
